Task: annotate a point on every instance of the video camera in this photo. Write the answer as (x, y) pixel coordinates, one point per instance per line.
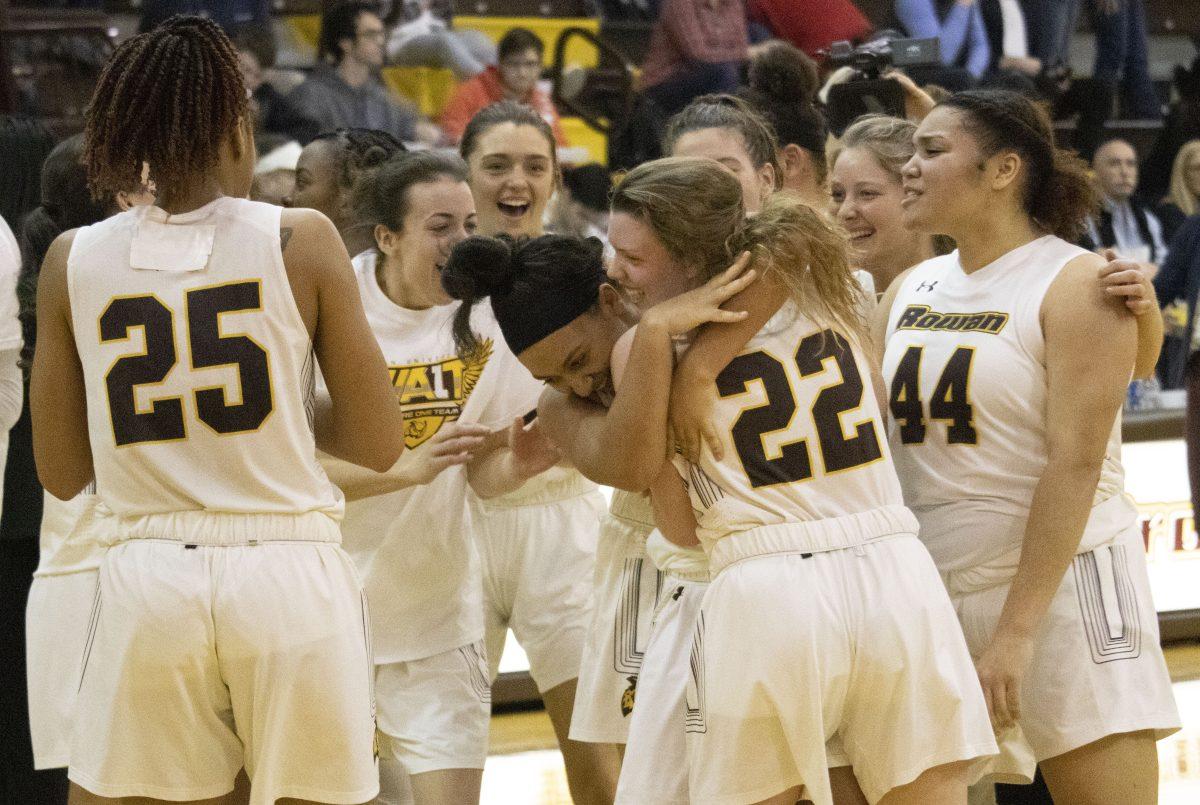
(867, 92)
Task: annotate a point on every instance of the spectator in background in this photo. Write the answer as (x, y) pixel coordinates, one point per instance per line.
(423, 38)
(810, 25)
(276, 118)
(344, 90)
(783, 84)
(697, 47)
(1125, 224)
(520, 52)
(1178, 287)
(1008, 38)
(1182, 124)
(1183, 197)
(958, 27)
(1122, 55)
(1051, 24)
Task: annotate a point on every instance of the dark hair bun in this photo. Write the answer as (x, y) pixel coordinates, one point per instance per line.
(479, 266)
(784, 74)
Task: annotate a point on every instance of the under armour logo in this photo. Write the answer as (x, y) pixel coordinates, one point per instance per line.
(927, 286)
(678, 593)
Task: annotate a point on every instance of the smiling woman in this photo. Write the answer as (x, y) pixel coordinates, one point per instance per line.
(866, 194)
(513, 168)
(537, 544)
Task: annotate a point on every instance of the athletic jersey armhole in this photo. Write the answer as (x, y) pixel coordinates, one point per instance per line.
(268, 218)
(1032, 338)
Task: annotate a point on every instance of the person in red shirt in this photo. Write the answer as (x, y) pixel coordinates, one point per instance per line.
(811, 25)
(697, 47)
(520, 56)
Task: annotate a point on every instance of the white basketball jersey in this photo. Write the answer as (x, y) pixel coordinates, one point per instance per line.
(802, 434)
(965, 367)
(197, 364)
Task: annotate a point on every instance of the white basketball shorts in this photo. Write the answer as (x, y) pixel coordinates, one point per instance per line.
(58, 617)
(793, 648)
(655, 768)
(206, 659)
(538, 560)
(434, 712)
(624, 593)
(1097, 668)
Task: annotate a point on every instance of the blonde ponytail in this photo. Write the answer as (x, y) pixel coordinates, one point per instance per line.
(792, 243)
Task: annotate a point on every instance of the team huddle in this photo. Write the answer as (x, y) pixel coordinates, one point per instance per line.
(860, 549)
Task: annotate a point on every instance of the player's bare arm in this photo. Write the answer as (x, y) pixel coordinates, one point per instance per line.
(1126, 280)
(1091, 342)
(693, 391)
(57, 400)
(363, 425)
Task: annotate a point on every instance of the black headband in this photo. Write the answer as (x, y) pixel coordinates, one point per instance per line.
(528, 314)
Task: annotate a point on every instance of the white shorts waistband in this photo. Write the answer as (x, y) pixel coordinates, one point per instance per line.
(228, 528)
(813, 536)
(539, 492)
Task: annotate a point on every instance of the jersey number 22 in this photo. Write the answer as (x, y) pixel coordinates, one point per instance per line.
(793, 462)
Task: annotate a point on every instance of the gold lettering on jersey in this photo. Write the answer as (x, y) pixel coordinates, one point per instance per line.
(432, 394)
(921, 317)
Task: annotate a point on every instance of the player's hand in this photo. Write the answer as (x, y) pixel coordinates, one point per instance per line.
(532, 451)
(453, 445)
(1129, 280)
(702, 305)
(917, 102)
(1001, 670)
(692, 401)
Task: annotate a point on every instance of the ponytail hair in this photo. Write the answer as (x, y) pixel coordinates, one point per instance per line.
(381, 193)
(783, 85)
(795, 245)
(733, 113)
(1057, 191)
(536, 285)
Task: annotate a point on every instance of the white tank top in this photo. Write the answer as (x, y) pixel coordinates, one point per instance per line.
(198, 368)
(965, 366)
(802, 433)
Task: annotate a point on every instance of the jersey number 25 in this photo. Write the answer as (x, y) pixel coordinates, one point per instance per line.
(164, 420)
(793, 462)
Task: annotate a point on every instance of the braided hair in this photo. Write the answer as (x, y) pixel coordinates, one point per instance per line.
(169, 98)
(1057, 192)
(359, 150)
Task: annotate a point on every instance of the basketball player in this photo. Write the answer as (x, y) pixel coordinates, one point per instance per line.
(1007, 366)
(326, 173)
(229, 624)
(547, 356)
(727, 129)
(63, 592)
(683, 233)
(431, 673)
(538, 544)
